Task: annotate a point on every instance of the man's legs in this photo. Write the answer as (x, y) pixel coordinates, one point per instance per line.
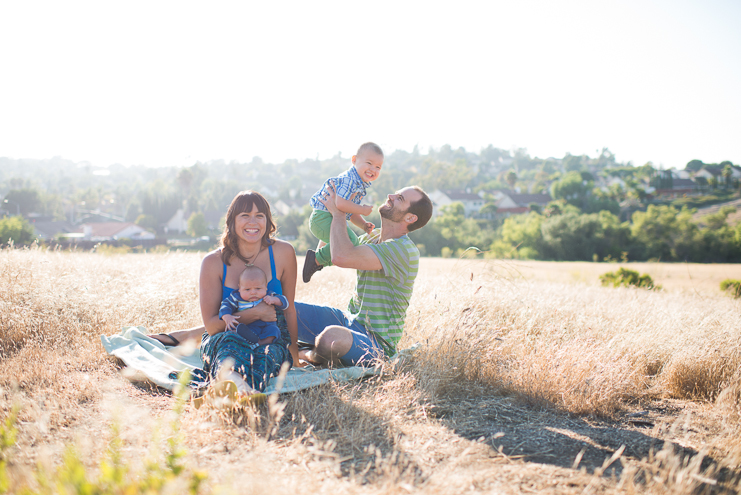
(336, 340)
(330, 345)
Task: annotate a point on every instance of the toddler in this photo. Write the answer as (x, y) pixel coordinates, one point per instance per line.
(350, 187)
(252, 290)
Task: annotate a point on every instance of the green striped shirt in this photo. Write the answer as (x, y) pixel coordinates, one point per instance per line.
(382, 296)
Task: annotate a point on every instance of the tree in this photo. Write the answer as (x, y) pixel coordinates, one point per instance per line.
(727, 173)
(665, 234)
(511, 178)
(16, 228)
(147, 222)
(572, 163)
(133, 211)
(553, 208)
(28, 200)
(520, 237)
(694, 165)
(571, 188)
(197, 226)
(185, 180)
(488, 210)
(571, 237)
(719, 242)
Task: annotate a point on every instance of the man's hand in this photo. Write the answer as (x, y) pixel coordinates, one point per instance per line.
(231, 322)
(271, 300)
(368, 227)
(329, 200)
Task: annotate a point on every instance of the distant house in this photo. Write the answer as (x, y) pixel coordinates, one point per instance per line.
(178, 222)
(709, 171)
(612, 181)
(680, 187)
(45, 230)
(107, 231)
(510, 203)
(680, 174)
(472, 203)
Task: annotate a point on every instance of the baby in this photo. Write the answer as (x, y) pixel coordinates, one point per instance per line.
(252, 290)
(351, 188)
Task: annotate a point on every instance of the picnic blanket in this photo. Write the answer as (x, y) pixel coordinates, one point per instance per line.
(147, 359)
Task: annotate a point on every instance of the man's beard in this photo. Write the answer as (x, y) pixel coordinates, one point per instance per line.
(391, 213)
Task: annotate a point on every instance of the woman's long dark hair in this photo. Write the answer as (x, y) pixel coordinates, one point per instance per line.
(244, 202)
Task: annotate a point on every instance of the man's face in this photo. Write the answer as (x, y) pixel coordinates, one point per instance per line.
(397, 204)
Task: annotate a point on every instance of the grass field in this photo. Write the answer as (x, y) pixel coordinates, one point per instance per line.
(530, 378)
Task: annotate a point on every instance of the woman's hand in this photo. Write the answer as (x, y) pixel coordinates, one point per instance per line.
(262, 312)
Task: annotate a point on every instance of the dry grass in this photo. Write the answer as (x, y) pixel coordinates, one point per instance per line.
(525, 369)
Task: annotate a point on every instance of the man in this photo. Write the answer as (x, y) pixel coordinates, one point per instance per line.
(387, 262)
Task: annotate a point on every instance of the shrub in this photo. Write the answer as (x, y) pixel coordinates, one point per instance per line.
(628, 278)
(16, 229)
(732, 287)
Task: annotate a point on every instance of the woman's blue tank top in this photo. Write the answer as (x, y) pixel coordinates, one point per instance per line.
(274, 285)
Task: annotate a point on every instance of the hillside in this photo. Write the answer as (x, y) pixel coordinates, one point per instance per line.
(733, 218)
(527, 380)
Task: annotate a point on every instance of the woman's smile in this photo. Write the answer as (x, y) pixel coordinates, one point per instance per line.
(251, 224)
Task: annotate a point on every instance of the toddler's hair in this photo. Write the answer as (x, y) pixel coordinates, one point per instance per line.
(252, 272)
(370, 147)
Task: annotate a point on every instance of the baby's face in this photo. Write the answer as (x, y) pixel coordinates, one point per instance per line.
(368, 164)
(252, 289)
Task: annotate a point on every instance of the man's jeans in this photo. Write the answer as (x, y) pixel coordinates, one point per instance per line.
(313, 319)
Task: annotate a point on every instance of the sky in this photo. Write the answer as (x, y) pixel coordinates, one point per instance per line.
(171, 83)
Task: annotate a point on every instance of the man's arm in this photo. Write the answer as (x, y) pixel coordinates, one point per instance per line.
(344, 253)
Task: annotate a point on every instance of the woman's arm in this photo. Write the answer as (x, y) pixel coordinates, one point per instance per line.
(286, 260)
(210, 292)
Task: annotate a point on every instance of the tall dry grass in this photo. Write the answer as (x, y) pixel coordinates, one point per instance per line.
(492, 341)
(586, 349)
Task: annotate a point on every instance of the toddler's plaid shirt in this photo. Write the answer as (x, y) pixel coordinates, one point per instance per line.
(346, 184)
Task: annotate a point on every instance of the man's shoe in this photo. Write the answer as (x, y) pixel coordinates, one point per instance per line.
(310, 266)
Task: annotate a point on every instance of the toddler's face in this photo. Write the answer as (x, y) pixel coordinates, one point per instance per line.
(368, 164)
(252, 289)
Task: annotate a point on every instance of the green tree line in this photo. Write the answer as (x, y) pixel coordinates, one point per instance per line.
(588, 219)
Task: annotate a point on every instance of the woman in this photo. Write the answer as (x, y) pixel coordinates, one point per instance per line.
(248, 239)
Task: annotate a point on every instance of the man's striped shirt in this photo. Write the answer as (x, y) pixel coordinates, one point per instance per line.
(383, 296)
